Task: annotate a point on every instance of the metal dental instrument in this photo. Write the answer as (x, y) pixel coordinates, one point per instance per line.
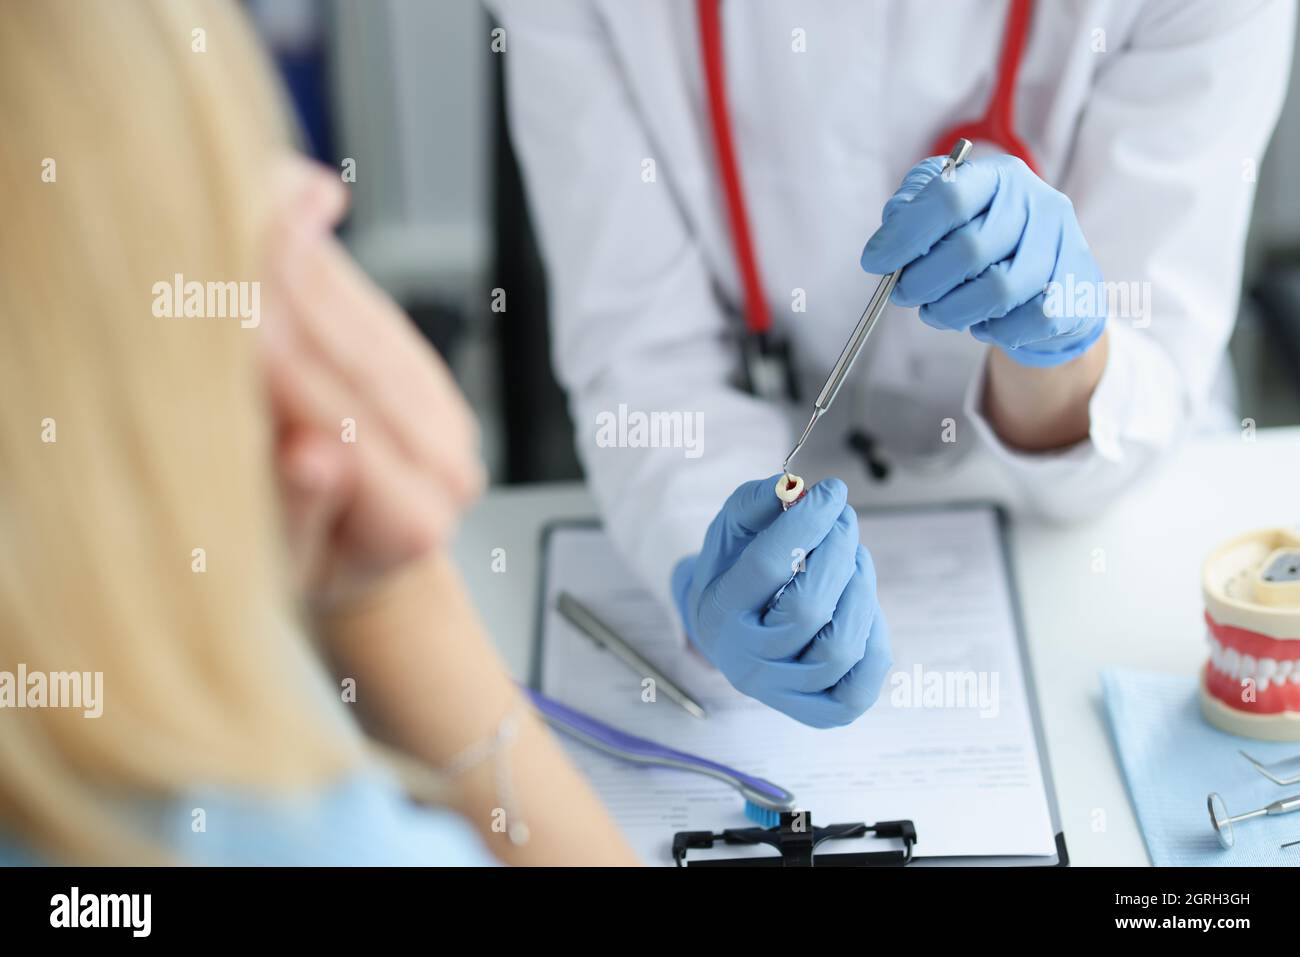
(1277, 771)
(875, 308)
(1222, 821)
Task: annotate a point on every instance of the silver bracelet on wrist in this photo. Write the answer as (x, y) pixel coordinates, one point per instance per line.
(494, 748)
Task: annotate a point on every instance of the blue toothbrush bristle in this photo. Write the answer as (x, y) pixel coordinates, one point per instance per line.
(762, 816)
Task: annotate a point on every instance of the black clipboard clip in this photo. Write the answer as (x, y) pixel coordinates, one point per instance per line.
(796, 841)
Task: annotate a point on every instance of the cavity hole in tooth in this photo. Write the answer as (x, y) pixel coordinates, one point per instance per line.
(789, 488)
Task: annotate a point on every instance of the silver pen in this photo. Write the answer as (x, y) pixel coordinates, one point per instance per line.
(875, 309)
(582, 618)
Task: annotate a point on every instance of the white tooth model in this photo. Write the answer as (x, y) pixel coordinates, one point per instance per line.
(789, 489)
(1251, 684)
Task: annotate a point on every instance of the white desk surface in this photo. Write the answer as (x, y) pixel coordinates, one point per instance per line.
(1143, 611)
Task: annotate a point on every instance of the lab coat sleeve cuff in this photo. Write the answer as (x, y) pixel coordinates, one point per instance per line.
(1128, 417)
(1032, 465)
(671, 525)
(680, 535)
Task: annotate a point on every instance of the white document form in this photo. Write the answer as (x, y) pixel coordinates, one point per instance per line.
(950, 743)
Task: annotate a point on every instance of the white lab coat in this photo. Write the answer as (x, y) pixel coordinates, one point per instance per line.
(1150, 116)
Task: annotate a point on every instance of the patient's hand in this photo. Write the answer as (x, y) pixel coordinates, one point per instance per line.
(376, 448)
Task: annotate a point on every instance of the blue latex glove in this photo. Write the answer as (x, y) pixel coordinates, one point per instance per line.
(821, 650)
(978, 251)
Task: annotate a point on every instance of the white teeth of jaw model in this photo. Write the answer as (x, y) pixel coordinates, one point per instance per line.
(789, 489)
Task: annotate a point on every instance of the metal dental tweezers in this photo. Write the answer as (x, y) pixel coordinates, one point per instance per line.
(870, 315)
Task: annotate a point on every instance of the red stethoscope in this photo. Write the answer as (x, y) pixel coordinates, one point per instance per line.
(767, 361)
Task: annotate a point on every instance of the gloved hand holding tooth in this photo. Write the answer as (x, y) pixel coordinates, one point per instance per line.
(979, 248)
(818, 652)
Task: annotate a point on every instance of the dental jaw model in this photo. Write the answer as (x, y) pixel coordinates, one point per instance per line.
(789, 489)
(1251, 685)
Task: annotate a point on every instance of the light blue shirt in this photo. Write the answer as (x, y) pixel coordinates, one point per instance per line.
(365, 819)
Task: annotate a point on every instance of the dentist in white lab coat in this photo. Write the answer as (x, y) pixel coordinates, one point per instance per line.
(1148, 115)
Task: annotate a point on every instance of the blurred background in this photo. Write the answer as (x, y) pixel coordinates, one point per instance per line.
(410, 92)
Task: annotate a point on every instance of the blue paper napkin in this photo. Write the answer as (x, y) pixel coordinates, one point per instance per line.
(1172, 758)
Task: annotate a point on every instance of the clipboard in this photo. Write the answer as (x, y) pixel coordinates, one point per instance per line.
(1060, 857)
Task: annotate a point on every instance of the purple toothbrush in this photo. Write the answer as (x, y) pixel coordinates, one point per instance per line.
(764, 801)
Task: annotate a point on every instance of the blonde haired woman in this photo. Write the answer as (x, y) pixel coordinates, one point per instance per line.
(203, 507)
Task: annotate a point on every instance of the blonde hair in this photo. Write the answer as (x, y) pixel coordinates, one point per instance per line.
(127, 441)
